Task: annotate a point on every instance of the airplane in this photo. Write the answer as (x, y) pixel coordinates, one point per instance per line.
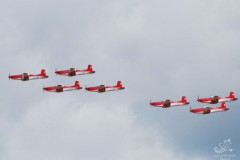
(217, 99)
(26, 76)
(61, 88)
(103, 88)
(168, 103)
(208, 110)
(73, 71)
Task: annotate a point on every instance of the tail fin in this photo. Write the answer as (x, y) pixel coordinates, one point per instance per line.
(89, 68)
(43, 72)
(77, 84)
(231, 95)
(119, 84)
(184, 99)
(223, 105)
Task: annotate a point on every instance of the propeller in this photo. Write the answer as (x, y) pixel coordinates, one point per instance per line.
(9, 76)
(56, 71)
(150, 103)
(85, 88)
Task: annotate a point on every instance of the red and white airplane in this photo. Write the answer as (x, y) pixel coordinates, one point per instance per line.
(208, 110)
(61, 88)
(26, 76)
(103, 88)
(73, 71)
(168, 103)
(217, 99)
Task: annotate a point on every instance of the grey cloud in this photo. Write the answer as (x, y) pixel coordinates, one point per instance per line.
(57, 130)
(158, 49)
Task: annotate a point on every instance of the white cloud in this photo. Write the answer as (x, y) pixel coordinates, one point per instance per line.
(54, 129)
(158, 49)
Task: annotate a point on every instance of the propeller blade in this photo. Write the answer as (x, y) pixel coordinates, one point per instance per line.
(150, 104)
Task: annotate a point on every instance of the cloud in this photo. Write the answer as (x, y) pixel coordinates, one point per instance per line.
(53, 129)
(158, 49)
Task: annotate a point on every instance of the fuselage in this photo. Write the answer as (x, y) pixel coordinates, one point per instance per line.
(74, 72)
(220, 100)
(61, 88)
(161, 104)
(30, 77)
(106, 89)
(208, 110)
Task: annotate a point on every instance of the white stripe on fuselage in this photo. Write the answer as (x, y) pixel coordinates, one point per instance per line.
(112, 89)
(217, 110)
(225, 100)
(107, 90)
(177, 104)
(77, 73)
(36, 77)
(70, 89)
(82, 73)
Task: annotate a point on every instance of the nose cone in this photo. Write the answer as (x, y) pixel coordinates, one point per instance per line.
(192, 110)
(235, 99)
(153, 104)
(47, 88)
(187, 103)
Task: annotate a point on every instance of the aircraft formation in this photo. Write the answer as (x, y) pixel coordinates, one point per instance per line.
(70, 73)
(105, 88)
(202, 110)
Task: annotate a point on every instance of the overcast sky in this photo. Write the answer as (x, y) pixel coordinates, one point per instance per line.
(159, 49)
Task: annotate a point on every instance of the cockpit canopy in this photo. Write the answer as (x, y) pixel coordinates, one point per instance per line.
(59, 88)
(72, 72)
(167, 103)
(25, 77)
(101, 88)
